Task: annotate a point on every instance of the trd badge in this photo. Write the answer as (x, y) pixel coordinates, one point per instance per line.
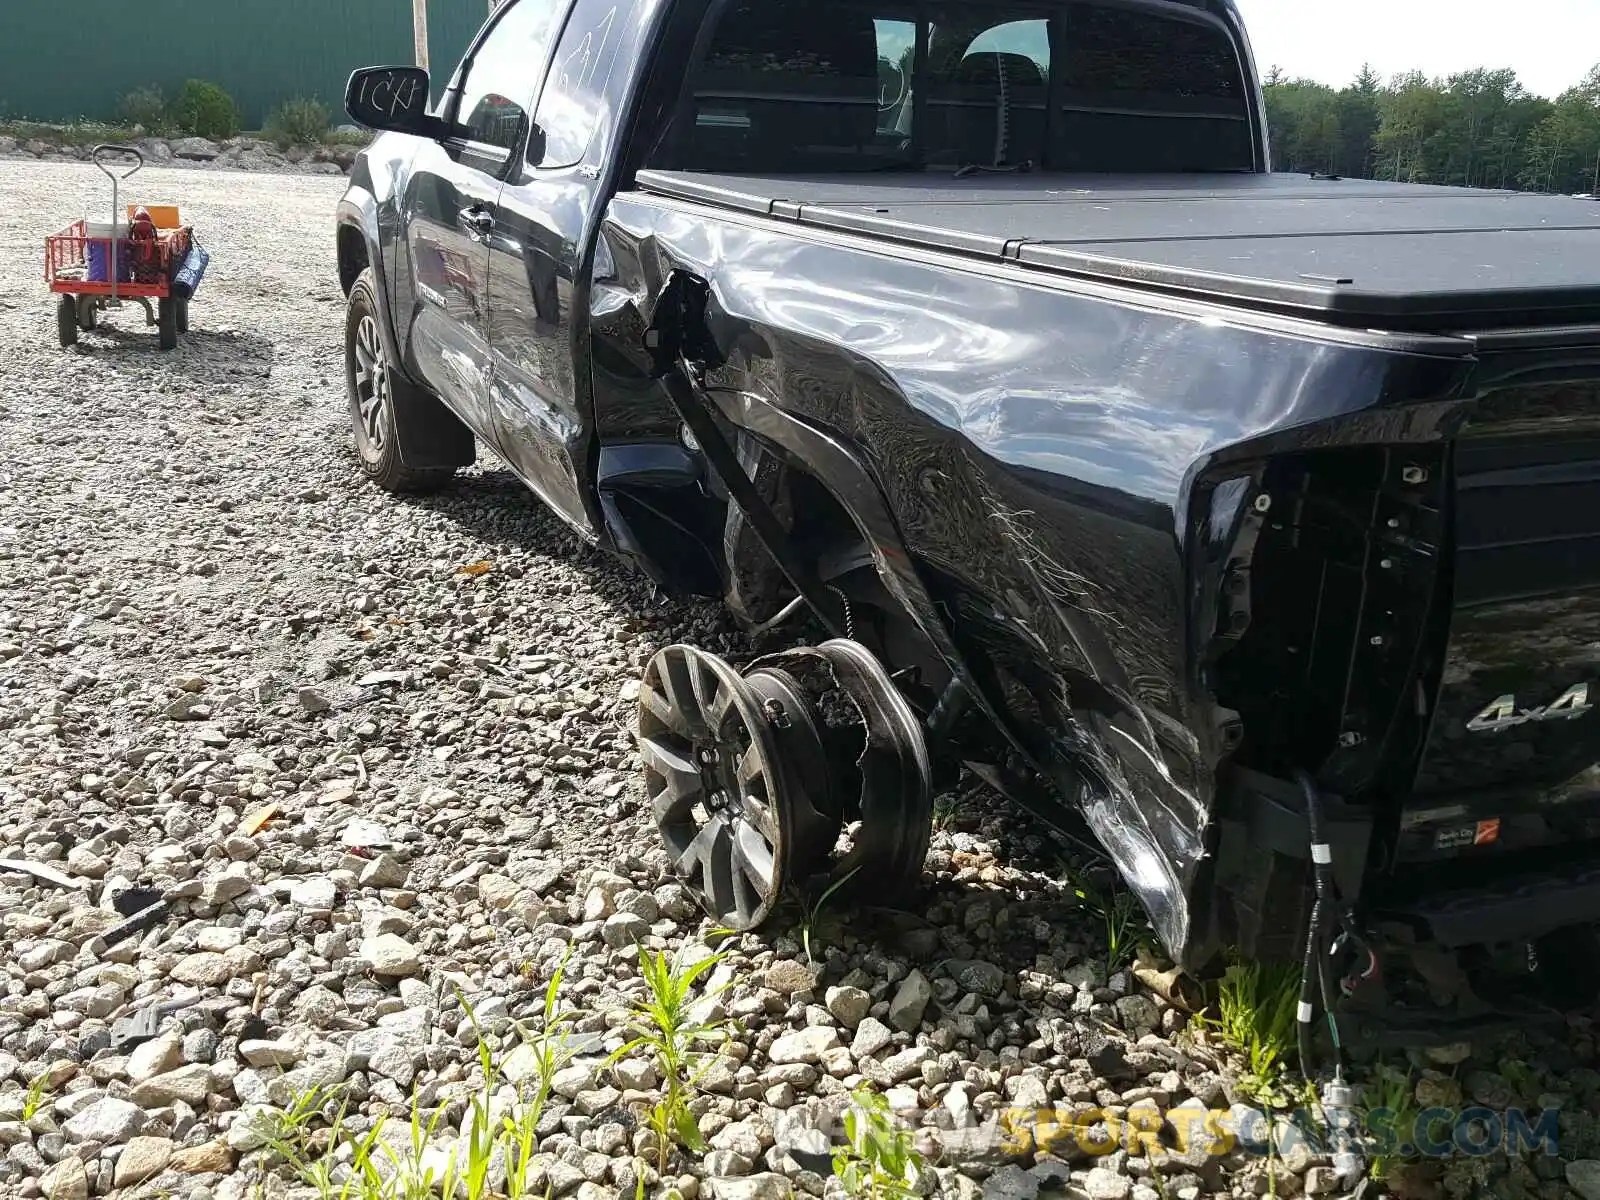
(1504, 713)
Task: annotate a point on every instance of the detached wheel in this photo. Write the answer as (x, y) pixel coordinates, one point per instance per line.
(725, 769)
(372, 386)
(67, 320)
(88, 313)
(167, 322)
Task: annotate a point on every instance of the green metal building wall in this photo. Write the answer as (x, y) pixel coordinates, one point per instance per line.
(64, 59)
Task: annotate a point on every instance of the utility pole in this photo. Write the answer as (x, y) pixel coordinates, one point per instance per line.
(419, 31)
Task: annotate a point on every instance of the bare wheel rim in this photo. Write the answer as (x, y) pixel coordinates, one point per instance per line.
(714, 784)
(369, 399)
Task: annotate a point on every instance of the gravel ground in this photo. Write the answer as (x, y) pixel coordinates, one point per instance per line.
(376, 751)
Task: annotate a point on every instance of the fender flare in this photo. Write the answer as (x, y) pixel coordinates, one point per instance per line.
(362, 215)
(430, 434)
(839, 468)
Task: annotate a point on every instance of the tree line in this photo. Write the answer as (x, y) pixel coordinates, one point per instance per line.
(1478, 128)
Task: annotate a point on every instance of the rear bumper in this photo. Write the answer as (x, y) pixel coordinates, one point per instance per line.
(1520, 908)
(1263, 877)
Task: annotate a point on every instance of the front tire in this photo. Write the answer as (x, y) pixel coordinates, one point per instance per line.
(67, 320)
(183, 316)
(167, 322)
(373, 385)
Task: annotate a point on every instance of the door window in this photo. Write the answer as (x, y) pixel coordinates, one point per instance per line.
(573, 103)
(503, 76)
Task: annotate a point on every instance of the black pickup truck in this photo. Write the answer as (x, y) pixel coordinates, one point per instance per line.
(1248, 522)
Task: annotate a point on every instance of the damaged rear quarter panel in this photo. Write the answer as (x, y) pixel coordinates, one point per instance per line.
(1046, 450)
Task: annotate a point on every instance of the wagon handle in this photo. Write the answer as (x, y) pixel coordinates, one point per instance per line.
(116, 215)
(100, 151)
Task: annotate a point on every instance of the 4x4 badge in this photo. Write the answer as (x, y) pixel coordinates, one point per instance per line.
(1504, 713)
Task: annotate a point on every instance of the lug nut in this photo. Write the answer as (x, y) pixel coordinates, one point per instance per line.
(1414, 475)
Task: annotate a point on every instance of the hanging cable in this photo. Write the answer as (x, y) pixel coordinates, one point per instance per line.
(1314, 975)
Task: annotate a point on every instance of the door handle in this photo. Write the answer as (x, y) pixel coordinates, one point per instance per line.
(476, 219)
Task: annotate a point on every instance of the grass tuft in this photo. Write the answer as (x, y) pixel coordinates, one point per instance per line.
(668, 1024)
(813, 913)
(879, 1160)
(1127, 931)
(1256, 1017)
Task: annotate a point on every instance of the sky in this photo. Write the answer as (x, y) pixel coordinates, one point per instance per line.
(1550, 44)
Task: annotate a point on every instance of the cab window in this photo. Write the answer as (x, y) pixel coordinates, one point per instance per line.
(503, 76)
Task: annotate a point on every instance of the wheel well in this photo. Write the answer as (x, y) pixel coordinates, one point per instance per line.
(352, 256)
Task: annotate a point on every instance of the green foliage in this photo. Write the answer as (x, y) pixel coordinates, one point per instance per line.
(299, 122)
(35, 1098)
(147, 108)
(1126, 928)
(1256, 1016)
(337, 1162)
(670, 1025)
(1389, 1108)
(814, 911)
(1477, 128)
(205, 110)
(879, 1160)
(552, 1048)
(82, 132)
(313, 1158)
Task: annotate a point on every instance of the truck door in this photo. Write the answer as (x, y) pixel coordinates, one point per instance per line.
(537, 257)
(450, 204)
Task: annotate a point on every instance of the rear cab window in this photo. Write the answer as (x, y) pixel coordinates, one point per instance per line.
(876, 85)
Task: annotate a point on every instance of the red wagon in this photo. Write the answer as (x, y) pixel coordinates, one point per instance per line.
(97, 267)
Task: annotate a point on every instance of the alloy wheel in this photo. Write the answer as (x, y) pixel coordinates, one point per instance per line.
(371, 375)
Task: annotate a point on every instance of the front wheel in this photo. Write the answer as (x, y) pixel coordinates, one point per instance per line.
(67, 320)
(167, 322)
(373, 387)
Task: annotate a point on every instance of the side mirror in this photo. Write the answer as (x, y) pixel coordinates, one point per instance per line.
(393, 99)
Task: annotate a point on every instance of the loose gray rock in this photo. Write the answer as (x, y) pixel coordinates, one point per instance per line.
(849, 1005)
(141, 1158)
(872, 1035)
(805, 1045)
(1103, 1184)
(391, 955)
(1583, 1177)
(67, 1180)
(767, 1185)
(107, 1121)
(910, 1002)
(786, 976)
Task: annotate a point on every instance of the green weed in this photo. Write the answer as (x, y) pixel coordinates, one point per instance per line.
(314, 1160)
(298, 122)
(1389, 1115)
(1256, 1006)
(552, 1050)
(666, 1023)
(146, 108)
(1126, 930)
(879, 1160)
(205, 110)
(38, 1092)
(336, 1164)
(813, 912)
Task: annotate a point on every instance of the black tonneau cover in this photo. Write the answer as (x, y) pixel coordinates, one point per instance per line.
(1402, 256)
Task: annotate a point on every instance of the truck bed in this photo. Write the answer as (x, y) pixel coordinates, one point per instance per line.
(1355, 252)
